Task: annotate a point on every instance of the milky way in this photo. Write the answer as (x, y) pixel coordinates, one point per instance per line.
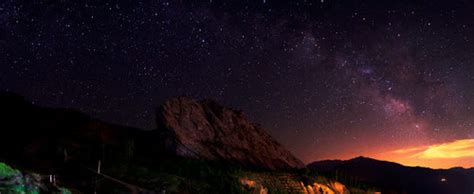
(329, 79)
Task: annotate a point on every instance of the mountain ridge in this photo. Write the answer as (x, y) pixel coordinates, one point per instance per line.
(203, 128)
(72, 144)
(387, 161)
(392, 176)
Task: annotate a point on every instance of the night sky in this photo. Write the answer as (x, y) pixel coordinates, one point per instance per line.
(392, 80)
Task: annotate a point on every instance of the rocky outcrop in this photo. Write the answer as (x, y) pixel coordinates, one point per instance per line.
(272, 182)
(262, 183)
(207, 130)
(70, 144)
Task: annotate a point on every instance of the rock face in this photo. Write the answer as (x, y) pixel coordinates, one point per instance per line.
(206, 130)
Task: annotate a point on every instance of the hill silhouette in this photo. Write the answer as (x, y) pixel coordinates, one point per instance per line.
(395, 177)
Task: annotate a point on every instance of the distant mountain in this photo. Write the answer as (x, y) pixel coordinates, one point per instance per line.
(207, 130)
(392, 177)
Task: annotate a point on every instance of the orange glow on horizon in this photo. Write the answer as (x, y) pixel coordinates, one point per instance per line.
(456, 149)
(459, 153)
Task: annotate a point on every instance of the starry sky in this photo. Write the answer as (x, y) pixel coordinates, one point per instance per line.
(329, 79)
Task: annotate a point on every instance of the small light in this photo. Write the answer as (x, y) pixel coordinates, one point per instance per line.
(443, 180)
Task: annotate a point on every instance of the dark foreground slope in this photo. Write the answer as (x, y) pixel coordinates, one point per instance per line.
(47, 137)
(63, 142)
(392, 176)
